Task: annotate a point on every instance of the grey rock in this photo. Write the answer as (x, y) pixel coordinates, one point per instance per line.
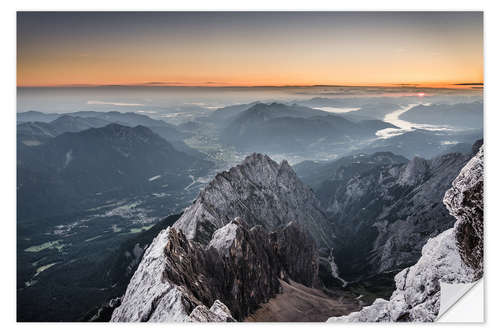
(454, 256)
(261, 192)
(237, 270)
(232, 244)
(375, 312)
(464, 200)
(218, 312)
(386, 212)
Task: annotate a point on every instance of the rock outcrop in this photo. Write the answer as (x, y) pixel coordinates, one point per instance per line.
(454, 256)
(261, 192)
(464, 200)
(218, 312)
(240, 268)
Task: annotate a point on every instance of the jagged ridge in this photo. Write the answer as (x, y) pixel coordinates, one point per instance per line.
(261, 192)
(178, 279)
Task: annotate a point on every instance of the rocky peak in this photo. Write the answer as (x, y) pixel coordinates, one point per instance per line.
(261, 192)
(240, 268)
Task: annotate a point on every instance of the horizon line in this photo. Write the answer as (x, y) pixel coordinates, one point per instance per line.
(458, 85)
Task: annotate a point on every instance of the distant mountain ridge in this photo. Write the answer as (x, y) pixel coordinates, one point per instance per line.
(262, 111)
(461, 115)
(67, 123)
(278, 127)
(34, 133)
(71, 122)
(423, 143)
(110, 158)
(36, 116)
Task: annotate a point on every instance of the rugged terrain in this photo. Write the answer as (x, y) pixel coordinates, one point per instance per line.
(252, 229)
(92, 187)
(385, 207)
(454, 256)
(239, 267)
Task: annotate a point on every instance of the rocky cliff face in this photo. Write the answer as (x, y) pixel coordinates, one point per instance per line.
(387, 211)
(261, 192)
(240, 267)
(464, 200)
(454, 256)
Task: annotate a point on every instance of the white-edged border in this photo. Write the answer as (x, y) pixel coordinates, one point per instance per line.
(8, 169)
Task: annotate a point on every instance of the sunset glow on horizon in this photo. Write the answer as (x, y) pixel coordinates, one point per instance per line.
(249, 48)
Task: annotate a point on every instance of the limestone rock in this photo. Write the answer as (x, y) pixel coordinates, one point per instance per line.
(237, 270)
(261, 192)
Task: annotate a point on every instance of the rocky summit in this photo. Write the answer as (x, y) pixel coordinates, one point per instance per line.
(454, 256)
(226, 279)
(261, 192)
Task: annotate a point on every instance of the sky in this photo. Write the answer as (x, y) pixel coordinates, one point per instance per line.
(248, 48)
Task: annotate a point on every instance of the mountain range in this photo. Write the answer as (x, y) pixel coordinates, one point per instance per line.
(385, 206)
(34, 133)
(72, 167)
(278, 127)
(262, 240)
(57, 123)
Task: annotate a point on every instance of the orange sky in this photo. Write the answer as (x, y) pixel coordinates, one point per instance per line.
(248, 49)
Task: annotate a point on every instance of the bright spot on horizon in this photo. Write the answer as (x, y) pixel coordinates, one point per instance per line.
(421, 94)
